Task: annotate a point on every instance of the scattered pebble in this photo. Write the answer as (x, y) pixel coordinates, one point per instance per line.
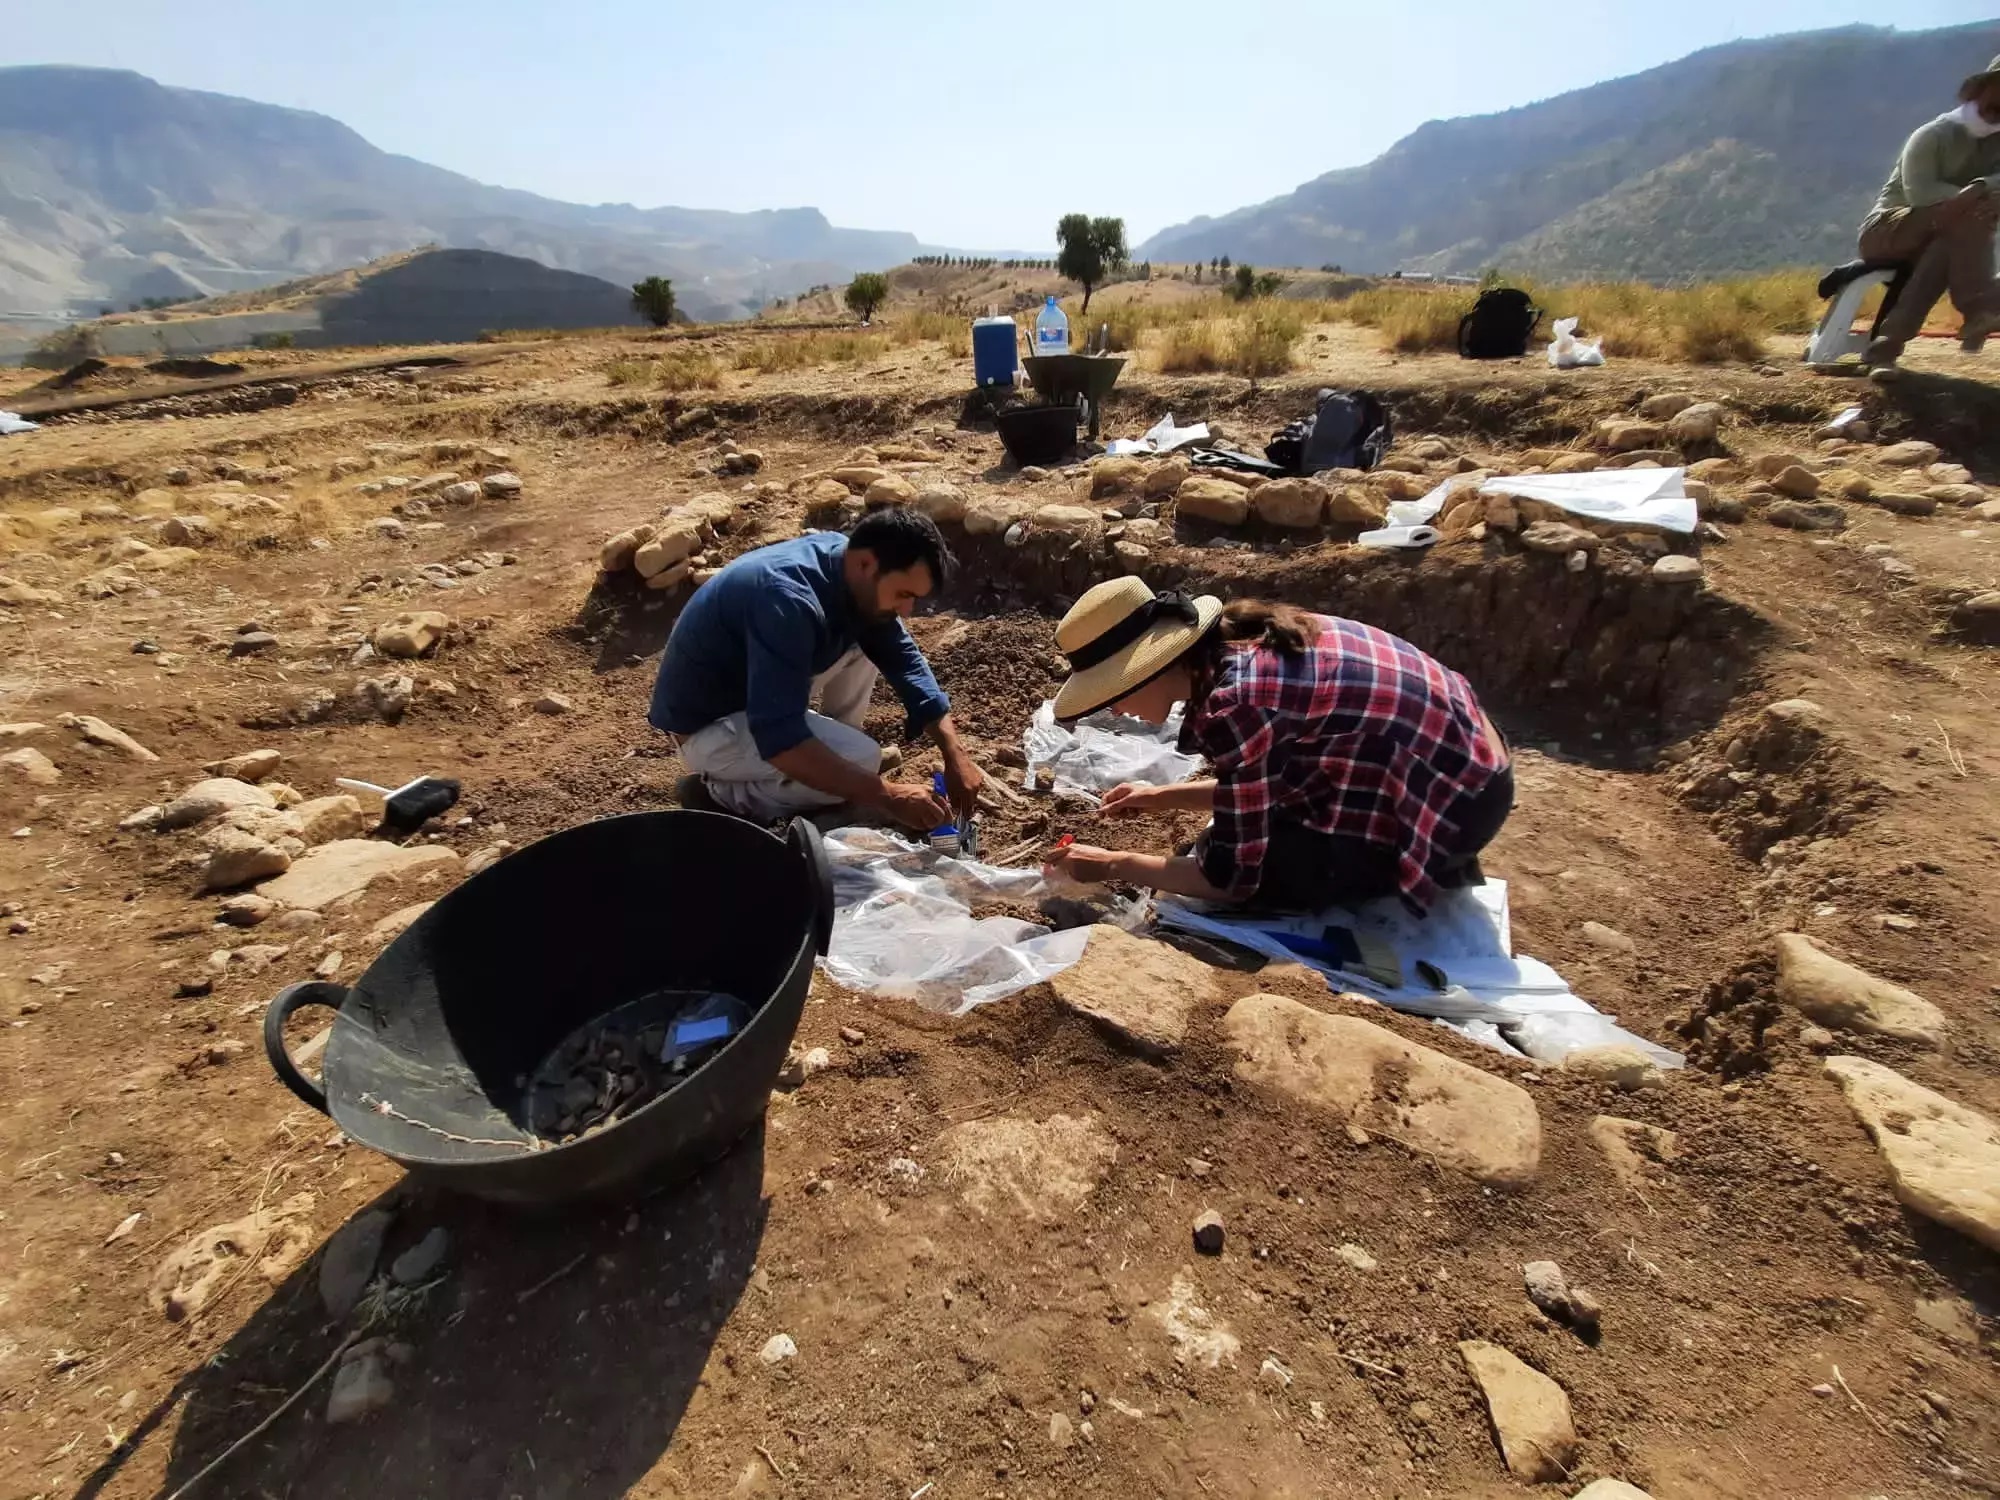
(778, 1349)
(422, 1259)
(1357, 1257)
(1208, 1233)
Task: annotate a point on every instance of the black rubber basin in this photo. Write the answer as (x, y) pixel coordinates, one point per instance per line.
(1038, 434)
(430, 1045)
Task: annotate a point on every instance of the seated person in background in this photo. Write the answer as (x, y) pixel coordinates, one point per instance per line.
(1348, 764)
(813, 620)
(1938, 212)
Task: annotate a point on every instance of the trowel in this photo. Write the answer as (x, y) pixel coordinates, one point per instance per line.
(409, 807)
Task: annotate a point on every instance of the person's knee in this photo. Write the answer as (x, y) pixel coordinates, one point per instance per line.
(849, 743)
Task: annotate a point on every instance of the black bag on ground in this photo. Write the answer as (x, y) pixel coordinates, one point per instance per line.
(1347, 430)
(1499, 326)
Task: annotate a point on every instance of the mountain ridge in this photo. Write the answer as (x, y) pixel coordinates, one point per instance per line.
(1734, 159)
(114, 187)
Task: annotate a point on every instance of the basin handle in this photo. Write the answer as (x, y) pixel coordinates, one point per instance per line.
(294, 998)
(805, 838)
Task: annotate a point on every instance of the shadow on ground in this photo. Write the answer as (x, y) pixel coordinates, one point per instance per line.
(556, 1358)
(624, 622)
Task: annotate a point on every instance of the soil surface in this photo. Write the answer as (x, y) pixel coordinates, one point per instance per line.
(975, 1233)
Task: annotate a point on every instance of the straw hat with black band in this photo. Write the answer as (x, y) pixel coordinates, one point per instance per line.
(1120, 636)
(1972, 87)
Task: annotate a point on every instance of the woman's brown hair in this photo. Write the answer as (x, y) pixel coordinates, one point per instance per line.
(1281, 627)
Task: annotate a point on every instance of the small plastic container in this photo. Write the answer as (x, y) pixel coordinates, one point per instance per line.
(1051, 329)
(995, 350)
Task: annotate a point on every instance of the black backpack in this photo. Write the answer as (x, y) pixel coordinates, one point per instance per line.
(1499, 326)
(1347, 430)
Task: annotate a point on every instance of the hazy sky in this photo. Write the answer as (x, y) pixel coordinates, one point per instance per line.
(971, 125)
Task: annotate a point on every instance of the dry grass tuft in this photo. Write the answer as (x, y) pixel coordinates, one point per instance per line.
(1191, 349)
(1263, 340)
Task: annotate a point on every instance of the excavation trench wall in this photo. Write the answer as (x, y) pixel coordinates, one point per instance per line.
(1608, 662)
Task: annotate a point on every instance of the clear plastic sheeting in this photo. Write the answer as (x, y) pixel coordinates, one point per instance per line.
(903, 924)
(13, 422)
(1104, 749)
(1466, 944)
(1162, 437)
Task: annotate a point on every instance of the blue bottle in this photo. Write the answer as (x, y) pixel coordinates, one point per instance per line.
(944, 837)
(1051, 330)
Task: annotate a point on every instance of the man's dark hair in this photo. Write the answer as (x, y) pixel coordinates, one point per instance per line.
(900, 538)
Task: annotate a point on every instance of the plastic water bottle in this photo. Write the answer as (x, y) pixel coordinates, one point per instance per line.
(1051, 330)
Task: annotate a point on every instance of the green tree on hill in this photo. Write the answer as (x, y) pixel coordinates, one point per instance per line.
(867, 292)
(1092, 251)
(653, 300)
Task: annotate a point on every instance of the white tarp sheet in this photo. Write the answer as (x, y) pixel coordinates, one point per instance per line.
(11, 422)
(1467, 937)
(1639, 497)
(1104, 749)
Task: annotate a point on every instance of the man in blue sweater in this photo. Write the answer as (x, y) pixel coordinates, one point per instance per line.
(813, 621)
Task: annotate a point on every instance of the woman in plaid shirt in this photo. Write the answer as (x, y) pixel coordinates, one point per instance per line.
(1348, 764)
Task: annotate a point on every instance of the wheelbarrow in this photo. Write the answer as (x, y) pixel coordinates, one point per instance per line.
(432, 1049)
(1081, 379)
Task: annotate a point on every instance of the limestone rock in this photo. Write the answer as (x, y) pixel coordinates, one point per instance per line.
(1696, 425)
(237, 858)
(1040, 1169)
(503, 485)
(211, 799)
(1296, 503)
(993, 517)
(1623, 434)
(858, 477)
(96, 732)
(1956, 494)
(1617, 1064)
(188, 531)
(252, 765)
(1905, 502)
(1132, 558)
(1716, 471)
(324, 819)
(32, 766)
(1943, 1158)
(1597, 934)
(1978, 618)
(1676, 568)
(245, 910)
(1114, 476)
(464, 492)
(1530, 1413)
(347, 1264)
(672, 544)
(1575, 463)
(1369, 1076)
(346, 867)
(1797, 481)
(1824, 989)
(1354, 505)
(1079, 519)
(1610, 1489)
(421, 1261)
(1910, 455)
(21, 595)
(1209, 1233)
(413, 634)
(943, 503)
(618, 551)
(397, 922)
(1164, 477)
(1141, 989)
(890, 489)
(361, 1387)
(1559, 537)
(1209, 499)
(1805, 515)
(1665, 405)
(1846, 484)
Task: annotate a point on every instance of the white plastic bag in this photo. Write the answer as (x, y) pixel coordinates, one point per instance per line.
(1552, 1035)
(1568, 351)
(903, 924)
(1104, 749)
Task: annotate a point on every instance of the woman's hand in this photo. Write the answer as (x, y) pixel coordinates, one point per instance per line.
(1084, 863)
(1128, 798)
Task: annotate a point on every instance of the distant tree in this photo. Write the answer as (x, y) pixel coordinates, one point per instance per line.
(1225, 262)
(1145, 270)
(1092, 250)
(653, 300)
(1197, 273)
(867, 292)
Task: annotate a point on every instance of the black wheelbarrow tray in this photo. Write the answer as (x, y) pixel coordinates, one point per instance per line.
(431, 1046)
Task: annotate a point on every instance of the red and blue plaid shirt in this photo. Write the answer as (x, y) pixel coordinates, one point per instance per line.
(1361, 735)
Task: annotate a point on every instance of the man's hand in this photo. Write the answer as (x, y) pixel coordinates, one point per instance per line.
(1129, 798)
(1972, 202)
(915, 807)
(1084, 863)
(962, 781)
